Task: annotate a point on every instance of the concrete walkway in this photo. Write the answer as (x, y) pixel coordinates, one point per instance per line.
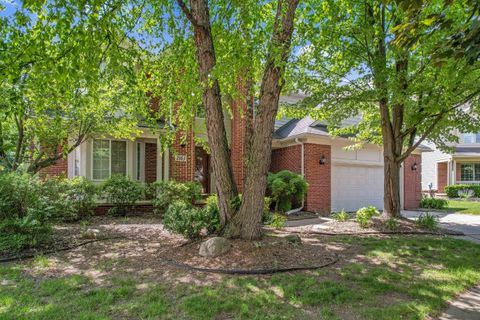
(466, 223)
(467, 305)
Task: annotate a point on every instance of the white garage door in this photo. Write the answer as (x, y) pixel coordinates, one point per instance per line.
(354, 187)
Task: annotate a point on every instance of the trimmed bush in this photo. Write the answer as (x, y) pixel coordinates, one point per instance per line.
(286, 188)
(167, 192)
(72, 198)
(433, 203)
(454, 191)
(123, 193)
(25, 212)
(364, 215)
(185, 219)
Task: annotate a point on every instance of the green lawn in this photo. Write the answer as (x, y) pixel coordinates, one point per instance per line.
(467, 207)
(389, 278)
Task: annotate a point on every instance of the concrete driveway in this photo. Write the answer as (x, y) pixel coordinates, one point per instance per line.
(466, 223)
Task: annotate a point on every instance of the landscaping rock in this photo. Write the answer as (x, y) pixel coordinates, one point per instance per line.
(293, 239)
(91, 234)
(214, 247)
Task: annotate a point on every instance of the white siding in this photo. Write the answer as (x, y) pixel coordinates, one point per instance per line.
(429, 165)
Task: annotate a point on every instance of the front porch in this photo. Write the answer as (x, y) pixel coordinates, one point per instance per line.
(458, 171)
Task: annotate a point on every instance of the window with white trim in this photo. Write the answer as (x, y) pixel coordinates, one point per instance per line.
(470, 171)
(470, 138)
(109, 157)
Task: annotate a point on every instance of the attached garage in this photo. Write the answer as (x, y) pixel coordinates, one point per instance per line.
(356, 186)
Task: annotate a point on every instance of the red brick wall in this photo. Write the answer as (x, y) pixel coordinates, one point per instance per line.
(319, 178)
(288, 158)
(150, 162)
(458, 173)
(238, 130)
(318, 198)
(59, 168)
(442, 174)
(183, 170)
(412, 182)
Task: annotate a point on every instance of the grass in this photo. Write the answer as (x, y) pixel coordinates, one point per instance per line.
(397, 278)
(466, 207)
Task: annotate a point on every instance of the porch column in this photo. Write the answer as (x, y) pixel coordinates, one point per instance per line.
(166, 156)
(159, 161)
(454, 172)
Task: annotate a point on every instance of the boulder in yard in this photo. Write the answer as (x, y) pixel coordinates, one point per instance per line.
(91, 234)
(214, 247)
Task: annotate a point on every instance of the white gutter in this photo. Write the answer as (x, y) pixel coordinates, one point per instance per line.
(302, 170)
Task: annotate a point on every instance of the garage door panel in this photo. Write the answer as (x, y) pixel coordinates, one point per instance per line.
(354, 187)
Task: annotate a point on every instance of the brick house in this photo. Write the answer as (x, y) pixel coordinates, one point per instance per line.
(338, 178)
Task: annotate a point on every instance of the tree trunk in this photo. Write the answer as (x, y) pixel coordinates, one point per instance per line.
(216, 133)
(247, 223)
(391, 198)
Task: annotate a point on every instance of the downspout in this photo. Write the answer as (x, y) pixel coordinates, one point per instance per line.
(302, 170)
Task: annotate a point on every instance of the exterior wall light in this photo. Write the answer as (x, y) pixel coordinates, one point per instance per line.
(414, 166)
(323, 161)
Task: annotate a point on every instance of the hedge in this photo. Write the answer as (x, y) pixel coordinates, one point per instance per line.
(452, 190)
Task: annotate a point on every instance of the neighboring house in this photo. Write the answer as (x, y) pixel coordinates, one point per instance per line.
(338, 179)
(458, 167)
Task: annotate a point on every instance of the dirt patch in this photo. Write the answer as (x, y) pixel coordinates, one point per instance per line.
(272, 252)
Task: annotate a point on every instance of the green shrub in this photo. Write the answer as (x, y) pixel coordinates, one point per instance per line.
(454, 191)
(341, 216)
(25, 212)
(392, 224)
(427, 221)
(433, 203)
(189, 221)
(122, 193)
(167, 192)
(267, 201)
(285, 188)
(365, 215)
(277, 221)
(72, 198)
(212, 215)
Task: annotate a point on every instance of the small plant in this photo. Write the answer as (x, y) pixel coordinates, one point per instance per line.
(277, 221)
(285, 188)
(466, 194)
(427, 221)
(122, 193)
(167, 192)
(212, 215)
(433, 203)
(392, 224)
(365, 215)
(341, 216)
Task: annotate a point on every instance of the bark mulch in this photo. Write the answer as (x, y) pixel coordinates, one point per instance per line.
(269, 255)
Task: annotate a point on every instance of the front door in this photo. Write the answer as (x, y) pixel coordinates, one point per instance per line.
(202, 168)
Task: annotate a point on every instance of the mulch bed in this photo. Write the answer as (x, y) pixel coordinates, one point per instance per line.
(377, 225)
(269, 254)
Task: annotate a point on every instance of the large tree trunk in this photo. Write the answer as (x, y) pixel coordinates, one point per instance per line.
(217, 139)
(391, 200)
(246, 224)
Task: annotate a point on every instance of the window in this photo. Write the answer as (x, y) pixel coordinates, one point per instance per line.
(469, 138)
(470, 172)
(109, 157)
